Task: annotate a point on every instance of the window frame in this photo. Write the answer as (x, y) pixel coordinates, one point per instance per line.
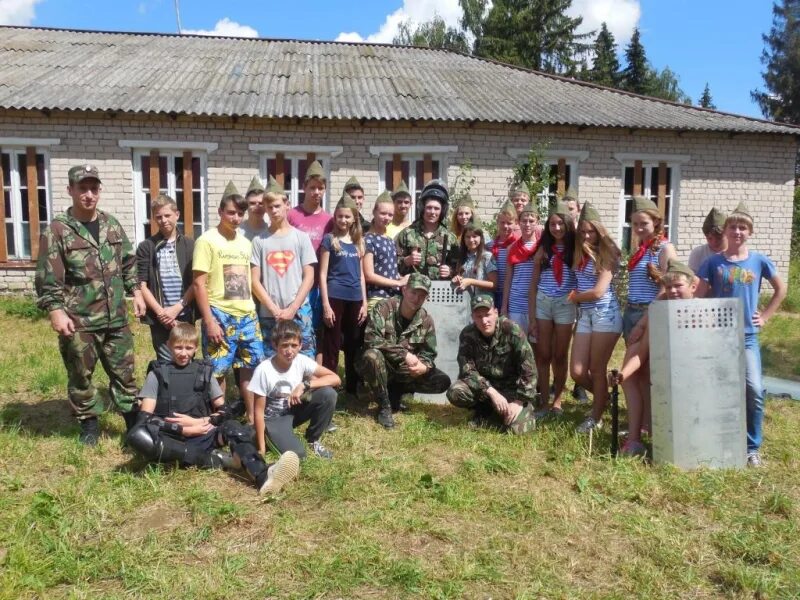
(551, 156)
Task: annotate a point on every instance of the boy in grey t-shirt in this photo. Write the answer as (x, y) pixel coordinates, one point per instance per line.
(283, 262)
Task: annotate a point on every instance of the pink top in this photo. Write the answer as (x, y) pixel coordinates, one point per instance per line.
(315, 225)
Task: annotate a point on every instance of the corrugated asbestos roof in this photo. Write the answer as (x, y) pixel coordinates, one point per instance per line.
(196, 75)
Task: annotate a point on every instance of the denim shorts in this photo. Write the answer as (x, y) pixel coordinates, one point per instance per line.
(631, 316)
(556, 309)
(600, 320)
(241, 344)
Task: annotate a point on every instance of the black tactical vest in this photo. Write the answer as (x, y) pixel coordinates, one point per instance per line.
(184, 390)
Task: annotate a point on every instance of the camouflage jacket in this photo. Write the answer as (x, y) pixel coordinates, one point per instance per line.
(504, 361)
(383, 333)
(441, 248)
(86, 279)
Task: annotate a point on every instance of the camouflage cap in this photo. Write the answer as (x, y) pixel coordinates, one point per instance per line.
(589, 213)
(346, 202)
(352, 184)
(418, 281)
(741, 209)
(559, 207)
(640, 203)
(314, 170)
(385, 196)
(519, 187)
(481, 300)
(273, 187)
(465, 200)
(401, 190)
(715, 219)
(256, 186)
(230, 190)
(81, 172)
(676, 266)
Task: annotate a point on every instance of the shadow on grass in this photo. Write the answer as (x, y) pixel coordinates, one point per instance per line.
(41, 418)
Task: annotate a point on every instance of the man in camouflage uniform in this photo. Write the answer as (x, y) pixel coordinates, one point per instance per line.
(86, 266)
(497, 371)
(399, 350)
(427, 246)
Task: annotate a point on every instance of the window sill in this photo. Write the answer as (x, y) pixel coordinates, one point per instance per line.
(17, 265)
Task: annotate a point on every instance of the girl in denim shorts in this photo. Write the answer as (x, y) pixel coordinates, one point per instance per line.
(551, 315)
(599, 319)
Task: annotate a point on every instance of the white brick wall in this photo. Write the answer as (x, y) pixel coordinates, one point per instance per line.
(721, 171)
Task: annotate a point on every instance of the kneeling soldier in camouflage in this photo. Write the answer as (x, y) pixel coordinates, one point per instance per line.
(399, 349)
(183, 419)
(497, 372)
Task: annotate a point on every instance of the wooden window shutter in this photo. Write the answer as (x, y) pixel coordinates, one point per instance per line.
(662, 187)
(188, 195)
(561, 183)
(33, 201)
(397, 170)
(638, 177)
(427, 168)
(280, 174)
(3, 242)
(155, 187)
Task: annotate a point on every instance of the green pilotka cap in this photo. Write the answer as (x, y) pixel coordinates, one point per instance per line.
(273, 187)
(418, 281)
(640, 203)
(570, 195)
(385, 196)
(230, 190)
(530, 207)
(559, 208)
(519, 187)
(715, 219)
(352, 184)
(481, 300)
(589, 213)
(314, 170)
(401, 190)
(256, 186)
(465, 200)
(676, 266)
(346, 202)
(741, 209)
(508, 205)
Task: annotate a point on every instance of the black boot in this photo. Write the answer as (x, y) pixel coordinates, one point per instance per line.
(385, 413)
(90, 432)
(130, 419)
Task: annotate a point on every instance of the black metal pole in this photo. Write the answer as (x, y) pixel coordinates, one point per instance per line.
(614, 415)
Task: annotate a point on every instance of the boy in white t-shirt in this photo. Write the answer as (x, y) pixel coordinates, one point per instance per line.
(281, 387)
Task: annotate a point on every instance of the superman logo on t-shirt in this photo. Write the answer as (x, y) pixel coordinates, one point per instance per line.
(280, 261)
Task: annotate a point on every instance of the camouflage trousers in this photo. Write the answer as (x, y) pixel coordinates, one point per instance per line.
(378, 375)
(80, 353)
(462, 395)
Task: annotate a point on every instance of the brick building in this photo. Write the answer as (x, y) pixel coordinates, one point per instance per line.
(187, 113)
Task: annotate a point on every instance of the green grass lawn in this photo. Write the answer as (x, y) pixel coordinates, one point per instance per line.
(432, 509)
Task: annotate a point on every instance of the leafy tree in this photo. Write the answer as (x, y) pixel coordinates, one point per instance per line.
(665, 84)
(536, 34)
(605, 67)
(781, 57)
(706, 101)
(637, 73)
(432, 34)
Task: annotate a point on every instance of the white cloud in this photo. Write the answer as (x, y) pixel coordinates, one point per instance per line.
(620, 16)
(416, 11)
(17, 12)
(225, 27)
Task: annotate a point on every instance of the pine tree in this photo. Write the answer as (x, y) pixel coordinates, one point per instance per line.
(781, 56)
(706, 101)
(637, 74)
(605, 67)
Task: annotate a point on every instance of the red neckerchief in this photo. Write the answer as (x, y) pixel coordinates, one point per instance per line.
(498, 245)
(642, 250)
(518, 253)
(558, 264)
(583, 263)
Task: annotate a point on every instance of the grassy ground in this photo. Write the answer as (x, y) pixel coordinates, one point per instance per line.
(430, 510)
(780, 339)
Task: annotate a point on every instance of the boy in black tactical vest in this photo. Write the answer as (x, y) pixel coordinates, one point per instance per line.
(183, 419)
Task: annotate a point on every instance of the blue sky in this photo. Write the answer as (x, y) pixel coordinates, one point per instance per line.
(714, 41)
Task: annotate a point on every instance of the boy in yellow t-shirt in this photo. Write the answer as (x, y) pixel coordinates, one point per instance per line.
(221, 269)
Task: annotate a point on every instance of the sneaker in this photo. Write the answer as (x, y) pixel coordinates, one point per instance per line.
(580, 394)
(385, 417)
(332, 427)
(525, 421)
(588, 425)
(754, 460)
(279, 474)
(631, 448)
(321, 451)
(90, 432)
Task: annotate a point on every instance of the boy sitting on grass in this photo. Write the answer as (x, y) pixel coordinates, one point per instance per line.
(183, 419)
(680, 284)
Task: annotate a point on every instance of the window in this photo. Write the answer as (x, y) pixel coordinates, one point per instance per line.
(563, 165)
(652, 177)
(26, 201)
(170, 172)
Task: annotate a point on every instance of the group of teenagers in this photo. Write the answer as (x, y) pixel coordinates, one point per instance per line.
(282, 290)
